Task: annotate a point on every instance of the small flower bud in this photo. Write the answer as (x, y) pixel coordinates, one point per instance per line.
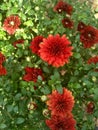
(94, 79)
(44, 98)
(90, 107)
(46, 112)
(63, 72)
(32, 106)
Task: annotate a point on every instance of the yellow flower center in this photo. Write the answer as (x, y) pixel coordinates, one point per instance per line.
(12, 23)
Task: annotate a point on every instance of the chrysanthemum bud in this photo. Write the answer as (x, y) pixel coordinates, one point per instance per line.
(32, 106)
(94, 79)
(90, 107)
(46, 112)
(43, 98)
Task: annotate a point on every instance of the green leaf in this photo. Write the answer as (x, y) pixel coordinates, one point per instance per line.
(77, 55)
(23, 16)
(77, 85)
(9, 108)
(3, 126)
(18, 96)
(96, 94)
(96, 91)
(96, 114)
(20, 120)
(15, 109)
(28, 23)
(23, 83)
(0, 16)
(12, 11)
(19, 53)
(45, 90)
(56, 75)
(84, 127)
(20, 2)
(1, 100)
(3, 7)
(59, 88)
(45, 69)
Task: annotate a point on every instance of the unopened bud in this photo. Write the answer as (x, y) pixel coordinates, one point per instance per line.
(63, 72)
(84, 84)
(44, 98)
(32, 106)
(46, 112)
(94, 79)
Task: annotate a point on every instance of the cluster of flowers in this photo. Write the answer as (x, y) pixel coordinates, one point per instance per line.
(52, 49)
(61, 106)
(88, 33)
(62, 6)
(2, 69)
(89, 37)
(56, 51)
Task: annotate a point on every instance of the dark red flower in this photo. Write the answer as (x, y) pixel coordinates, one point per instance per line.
(32, 74)
(67, 23)
(90, 107)
(35, 44)
(59, 7)
(62, 6)
(55, 50)
(81, 26)
(89, 36)
(93, 60)
(68, 8)
(60, 104)
(2, 58)
(11, 23)
(2, 70)
(19, 41)
(61, 123)
(34, 87)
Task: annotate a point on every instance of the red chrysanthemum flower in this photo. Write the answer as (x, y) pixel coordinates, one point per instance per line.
(2, 58)
(90, 107)
(32, 74)
(19, 41)
(55, 50)
(63, 6)
(35, 44)
(89, 36)
(60, 104)
(11, 23)
(67, 23)
(59, 7)
(81, 26)
(61, 123)
(2, 70)
(68, 8)
(93, 60)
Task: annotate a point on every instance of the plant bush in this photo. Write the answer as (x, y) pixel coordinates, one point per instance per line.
(23, 98)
